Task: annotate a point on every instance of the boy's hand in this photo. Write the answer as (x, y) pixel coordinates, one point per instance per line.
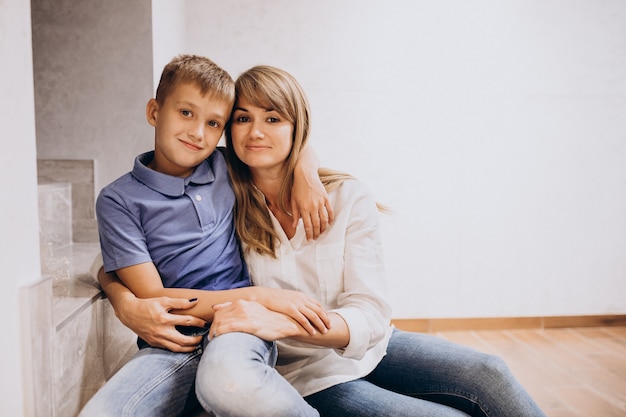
(309, 201)
(306, 311)
(151, 319)
(251, 317)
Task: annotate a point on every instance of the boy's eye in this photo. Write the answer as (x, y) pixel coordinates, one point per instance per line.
(214, 123)
(185, 113)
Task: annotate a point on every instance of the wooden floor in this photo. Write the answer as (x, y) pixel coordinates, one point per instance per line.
(570, 372)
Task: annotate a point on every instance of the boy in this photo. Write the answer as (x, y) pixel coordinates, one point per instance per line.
(166, 229)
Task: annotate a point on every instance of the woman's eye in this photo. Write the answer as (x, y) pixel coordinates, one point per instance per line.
(273, 119)
(241, 119)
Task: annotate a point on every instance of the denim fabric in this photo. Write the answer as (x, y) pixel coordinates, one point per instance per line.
(154, 383)
(426, 376)
(236, 377)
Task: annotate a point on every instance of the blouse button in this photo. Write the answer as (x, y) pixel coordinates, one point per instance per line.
(198, 197)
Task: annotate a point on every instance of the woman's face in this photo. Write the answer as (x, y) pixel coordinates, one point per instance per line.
(262, 138)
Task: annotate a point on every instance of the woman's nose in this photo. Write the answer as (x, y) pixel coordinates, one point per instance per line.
(256, 131)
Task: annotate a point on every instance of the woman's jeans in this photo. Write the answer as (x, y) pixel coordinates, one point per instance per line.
(234, 376)
(427, 376)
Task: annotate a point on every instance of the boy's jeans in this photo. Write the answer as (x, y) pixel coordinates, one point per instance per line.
(235, 377)
(154, 382)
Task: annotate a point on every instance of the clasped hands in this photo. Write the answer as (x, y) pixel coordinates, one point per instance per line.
(277, 314)
(289, 314)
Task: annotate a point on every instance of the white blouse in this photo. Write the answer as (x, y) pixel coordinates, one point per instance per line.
(344, 270)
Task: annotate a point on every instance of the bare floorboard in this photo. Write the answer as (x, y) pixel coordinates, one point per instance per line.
(574, 372)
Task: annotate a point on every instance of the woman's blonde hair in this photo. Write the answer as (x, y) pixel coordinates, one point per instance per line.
(270, 88)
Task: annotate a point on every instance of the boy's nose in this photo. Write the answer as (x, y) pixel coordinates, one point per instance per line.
(197, 131)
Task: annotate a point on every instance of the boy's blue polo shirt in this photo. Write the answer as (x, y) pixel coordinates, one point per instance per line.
(184, 225)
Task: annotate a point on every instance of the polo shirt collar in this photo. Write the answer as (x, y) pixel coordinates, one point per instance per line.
(167, 184)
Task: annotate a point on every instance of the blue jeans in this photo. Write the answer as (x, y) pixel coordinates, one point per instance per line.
(236, 377)
(427, 376)
(154, 382)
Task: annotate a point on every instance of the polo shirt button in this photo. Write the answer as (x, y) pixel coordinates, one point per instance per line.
(198, 197)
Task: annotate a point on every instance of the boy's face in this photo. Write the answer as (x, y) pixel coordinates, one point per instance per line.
(187, 126)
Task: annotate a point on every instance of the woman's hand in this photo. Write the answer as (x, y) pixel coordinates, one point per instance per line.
(152, 321)
(306, 311)
(253, 318)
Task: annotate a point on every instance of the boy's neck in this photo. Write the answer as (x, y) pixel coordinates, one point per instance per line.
(156, 167)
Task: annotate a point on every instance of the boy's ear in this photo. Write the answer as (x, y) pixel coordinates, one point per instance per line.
(152, 111)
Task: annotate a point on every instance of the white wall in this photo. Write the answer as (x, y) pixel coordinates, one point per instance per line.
(496, 131)
(168, 43)
(93, 77)
(19, 241)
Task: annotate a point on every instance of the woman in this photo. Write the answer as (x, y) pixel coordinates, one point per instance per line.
(361, 366)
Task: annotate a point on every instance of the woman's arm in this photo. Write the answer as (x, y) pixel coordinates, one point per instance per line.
(362, 300)
(251, 317)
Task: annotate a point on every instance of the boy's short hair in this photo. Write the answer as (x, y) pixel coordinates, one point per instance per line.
(199, 70)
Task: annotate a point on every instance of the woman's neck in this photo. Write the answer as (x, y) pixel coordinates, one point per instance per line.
(269, 184)
(270, 187)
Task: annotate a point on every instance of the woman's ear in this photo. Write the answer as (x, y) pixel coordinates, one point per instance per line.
(152, 111)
